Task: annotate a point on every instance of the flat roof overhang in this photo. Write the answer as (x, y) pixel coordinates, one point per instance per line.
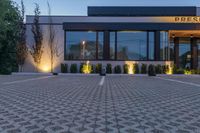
(129, 26)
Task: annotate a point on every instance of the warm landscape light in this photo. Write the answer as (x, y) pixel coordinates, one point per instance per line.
(130, 69)
(170, 71)
(45, 68)
(187, 72)
(87, 68)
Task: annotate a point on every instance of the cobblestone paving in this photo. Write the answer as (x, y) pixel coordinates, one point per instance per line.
(124, 104)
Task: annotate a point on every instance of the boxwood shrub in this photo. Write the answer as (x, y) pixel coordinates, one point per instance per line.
(98, 68)
(125, 68)
(144, 69)
(64, 68)
(118, 69)
(73, 68)
(136, 69)
(109, 68)
(159, 69)
(81, 68)
(151, 70)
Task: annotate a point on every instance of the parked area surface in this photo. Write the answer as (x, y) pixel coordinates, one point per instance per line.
(93, 104)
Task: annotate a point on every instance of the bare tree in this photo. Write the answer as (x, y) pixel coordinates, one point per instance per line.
(36, 49)
(52, 44)
(21, 47)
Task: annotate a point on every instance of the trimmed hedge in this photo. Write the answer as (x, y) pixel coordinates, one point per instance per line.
(109, 68)
(64, 68)
(159, 69)
(81, 68)
(126, 66)
(98, 68)
(136, 69)
(144, 69)
(151, 70)
(73, 68)
(118, 69)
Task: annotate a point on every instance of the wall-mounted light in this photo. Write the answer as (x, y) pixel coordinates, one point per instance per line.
(173, 35)
(191, 36)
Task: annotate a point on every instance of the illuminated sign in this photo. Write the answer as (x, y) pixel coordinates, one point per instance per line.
(187, 19)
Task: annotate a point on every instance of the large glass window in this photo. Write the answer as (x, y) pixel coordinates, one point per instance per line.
(131, 45)
(151, 45)
(164, 45)
(100, 45)
(112, 45)
(83, 45)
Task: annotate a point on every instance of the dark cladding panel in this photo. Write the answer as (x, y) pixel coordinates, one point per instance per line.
(130, 26)
(142, 11)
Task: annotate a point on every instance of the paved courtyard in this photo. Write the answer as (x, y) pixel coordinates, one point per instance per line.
(92, 104)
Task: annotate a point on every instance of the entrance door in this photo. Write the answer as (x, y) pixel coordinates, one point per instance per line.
(185, 52)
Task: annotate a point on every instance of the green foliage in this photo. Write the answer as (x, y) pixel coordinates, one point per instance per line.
(21, 48)
(98, 68)
(92, 68)
(81, 68)
(9, 35)
(144, 69)
(165, 69)
(159, 69)
(73, 68)
(109, 68)
(64, 68)
(126, 66)
(87, 69)
(151, 70)
(136, 69)
(180, 71)
(118, 69)
(174, 69)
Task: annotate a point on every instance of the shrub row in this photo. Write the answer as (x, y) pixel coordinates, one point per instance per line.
(159, 69)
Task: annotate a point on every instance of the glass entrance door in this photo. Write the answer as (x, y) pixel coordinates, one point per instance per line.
(185, 52)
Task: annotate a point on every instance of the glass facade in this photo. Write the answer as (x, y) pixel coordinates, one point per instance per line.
(185, 52)
(100, 43)
(83, 45)
(164, 46)
(123, 45)
(131, 45)
(112, 45)
(151, 40)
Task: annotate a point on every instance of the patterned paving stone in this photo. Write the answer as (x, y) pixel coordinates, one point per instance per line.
(77, 104)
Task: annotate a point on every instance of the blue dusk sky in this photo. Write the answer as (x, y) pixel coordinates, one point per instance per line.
(79, 7)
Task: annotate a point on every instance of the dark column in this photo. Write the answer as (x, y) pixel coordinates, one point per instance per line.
(176, 51)
(97, 45)
(106, 48)
(147, 45)
(157, 46)
(194, 53)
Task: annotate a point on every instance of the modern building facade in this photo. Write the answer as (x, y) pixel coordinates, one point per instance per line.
(120, 35)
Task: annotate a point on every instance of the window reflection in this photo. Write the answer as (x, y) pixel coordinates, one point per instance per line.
(151, 45)
(131, 45)
(100, 45)
(83, 45)
(112, 45)
(164, 45)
